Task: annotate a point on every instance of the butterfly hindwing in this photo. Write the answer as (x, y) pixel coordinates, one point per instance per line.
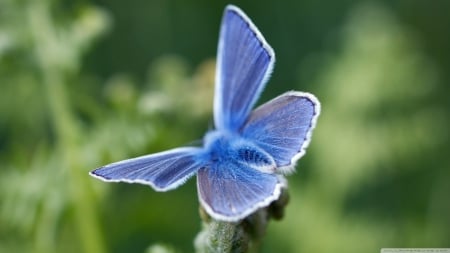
(244, 63)
(230, 191)
(163, 171)
(283, 127)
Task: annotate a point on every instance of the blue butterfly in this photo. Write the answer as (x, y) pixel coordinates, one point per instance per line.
(241, 165)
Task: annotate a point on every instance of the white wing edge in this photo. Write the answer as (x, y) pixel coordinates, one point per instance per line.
(289, 169)
(282, 183)
(145, 182)
(259, 36)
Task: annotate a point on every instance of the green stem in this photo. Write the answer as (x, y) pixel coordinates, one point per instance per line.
(243, 236)
(54, 78)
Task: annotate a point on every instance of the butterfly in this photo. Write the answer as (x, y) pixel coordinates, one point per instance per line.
(242, 163)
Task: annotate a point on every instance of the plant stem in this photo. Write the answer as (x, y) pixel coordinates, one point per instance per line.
(54, 78)
(237, 237)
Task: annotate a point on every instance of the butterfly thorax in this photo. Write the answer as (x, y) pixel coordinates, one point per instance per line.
(224, 147)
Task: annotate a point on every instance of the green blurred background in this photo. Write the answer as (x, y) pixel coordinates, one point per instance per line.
(85, 83)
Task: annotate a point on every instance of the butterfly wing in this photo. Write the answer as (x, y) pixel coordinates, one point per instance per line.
(283, 127)
(163, 171)
(244, 63)
(229, 191)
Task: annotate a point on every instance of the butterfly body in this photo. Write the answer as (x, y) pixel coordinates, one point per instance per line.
(226, 147)
(241, 165)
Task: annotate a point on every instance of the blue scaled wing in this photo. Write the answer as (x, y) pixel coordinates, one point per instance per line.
(163, 171)
(283, 127)
(244, 63)
(230, 192)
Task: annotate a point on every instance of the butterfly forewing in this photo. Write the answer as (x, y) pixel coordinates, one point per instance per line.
(244, 63)
(283, 126)
(163, 171)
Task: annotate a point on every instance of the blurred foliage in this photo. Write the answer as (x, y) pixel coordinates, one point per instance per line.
(88, 83)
